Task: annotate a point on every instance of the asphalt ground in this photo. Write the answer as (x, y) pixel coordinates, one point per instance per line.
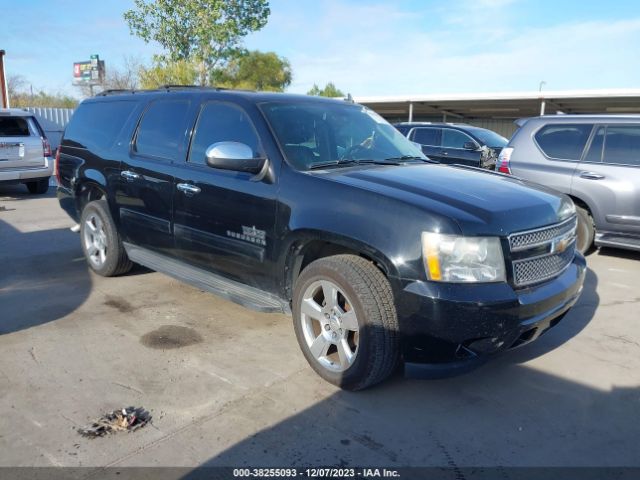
(228, 386)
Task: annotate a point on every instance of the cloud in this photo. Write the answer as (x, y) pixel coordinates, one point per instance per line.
(386, 49)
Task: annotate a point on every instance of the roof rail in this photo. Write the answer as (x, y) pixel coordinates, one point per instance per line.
(168, 86)
(113, 91)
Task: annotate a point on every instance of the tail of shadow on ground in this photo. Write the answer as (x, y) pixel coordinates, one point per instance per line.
(499, 419)
(43, 277)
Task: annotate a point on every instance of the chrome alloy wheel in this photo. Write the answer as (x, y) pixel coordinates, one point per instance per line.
(95, 240)
(329, 326)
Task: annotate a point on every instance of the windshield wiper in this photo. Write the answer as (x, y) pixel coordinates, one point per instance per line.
(411, 157)
(344, 162)
(332, 163)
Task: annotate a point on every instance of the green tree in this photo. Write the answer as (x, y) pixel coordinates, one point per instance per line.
(329, 90)
(255, 70)
(43, 99)
(166, 72)
(207, 32)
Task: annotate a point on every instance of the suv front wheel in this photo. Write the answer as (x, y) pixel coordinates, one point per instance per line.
(345, 321)
(585, 231)
(101, 242)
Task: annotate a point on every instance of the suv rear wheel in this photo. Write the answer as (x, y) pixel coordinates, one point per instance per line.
(585, 232)
(345, 321)
(101, 242)
(38, 187)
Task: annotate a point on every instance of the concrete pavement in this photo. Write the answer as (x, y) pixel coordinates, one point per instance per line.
(228, 386)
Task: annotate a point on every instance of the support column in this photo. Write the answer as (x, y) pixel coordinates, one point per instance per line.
(4, 94)
(410, 112)
(542, 105)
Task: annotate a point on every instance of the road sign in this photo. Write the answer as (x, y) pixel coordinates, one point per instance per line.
(89, 72)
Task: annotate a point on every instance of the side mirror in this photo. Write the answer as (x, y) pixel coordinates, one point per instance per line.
(470, 146)
(234, 156)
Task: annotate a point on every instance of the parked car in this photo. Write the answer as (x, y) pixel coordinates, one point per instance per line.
(595, 159)
(455, 142)
(319, 207)
(25, 153)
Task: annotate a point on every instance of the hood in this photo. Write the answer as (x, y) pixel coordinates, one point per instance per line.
(481, 202)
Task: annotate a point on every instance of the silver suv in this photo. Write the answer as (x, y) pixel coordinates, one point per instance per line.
(25, 153)
(595, 159)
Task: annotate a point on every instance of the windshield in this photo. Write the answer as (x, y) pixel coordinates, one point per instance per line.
(489, 138)
(316, 134)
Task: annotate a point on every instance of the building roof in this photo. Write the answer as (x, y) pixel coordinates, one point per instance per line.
(15, 112)
(506, 105)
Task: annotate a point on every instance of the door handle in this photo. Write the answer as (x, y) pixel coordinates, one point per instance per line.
(591, 175)
(129, 176)
(188, 189)
(445, 153)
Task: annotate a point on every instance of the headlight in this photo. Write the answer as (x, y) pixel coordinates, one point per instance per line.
(452, 258)
(567, 208)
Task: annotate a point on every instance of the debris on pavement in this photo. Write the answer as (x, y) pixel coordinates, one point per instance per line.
(128, 419)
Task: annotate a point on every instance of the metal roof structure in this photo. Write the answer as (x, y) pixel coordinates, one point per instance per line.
(504, 105)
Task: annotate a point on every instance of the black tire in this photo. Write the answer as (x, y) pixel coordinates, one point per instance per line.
(585, 232)
(116, 262)
(372, 300)
(38, 187)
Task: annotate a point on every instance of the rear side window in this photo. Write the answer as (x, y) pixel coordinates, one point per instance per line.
(222, 122)
(14, 127)
(622, 145)
(162, 129)
(427, 136)
(97, 125)
(564, 142)
(454, 138)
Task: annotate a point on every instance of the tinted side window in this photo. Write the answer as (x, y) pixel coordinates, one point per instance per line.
(454, 138)
(222, 122)
(427, 136)
(14, 127)
(403, 129)
(97, 125)
(162, 129)
(564, 142)
(622, 145)
(594, 154)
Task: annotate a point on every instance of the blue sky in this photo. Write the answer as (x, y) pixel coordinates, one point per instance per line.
(367, 47)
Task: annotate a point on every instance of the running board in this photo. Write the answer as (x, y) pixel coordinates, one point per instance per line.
(239, 293)
(617, 241)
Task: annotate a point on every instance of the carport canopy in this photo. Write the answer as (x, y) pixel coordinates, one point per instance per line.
(457, 107)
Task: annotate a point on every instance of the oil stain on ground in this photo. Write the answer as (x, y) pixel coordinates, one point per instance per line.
(119, 304)
(171, 336)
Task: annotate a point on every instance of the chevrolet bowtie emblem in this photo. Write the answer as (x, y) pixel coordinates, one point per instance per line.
(559, 245)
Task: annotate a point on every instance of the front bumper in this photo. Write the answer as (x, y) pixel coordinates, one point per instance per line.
(457, 326)
(23, 174)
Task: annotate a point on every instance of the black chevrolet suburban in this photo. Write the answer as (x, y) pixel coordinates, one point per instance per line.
(320, 208)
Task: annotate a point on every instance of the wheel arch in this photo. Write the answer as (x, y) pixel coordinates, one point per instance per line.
(88, 191)
(309, 245)
(583, 204)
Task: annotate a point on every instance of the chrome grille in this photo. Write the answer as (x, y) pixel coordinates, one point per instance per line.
(540, 236)
(539, 269)
(542, 253)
